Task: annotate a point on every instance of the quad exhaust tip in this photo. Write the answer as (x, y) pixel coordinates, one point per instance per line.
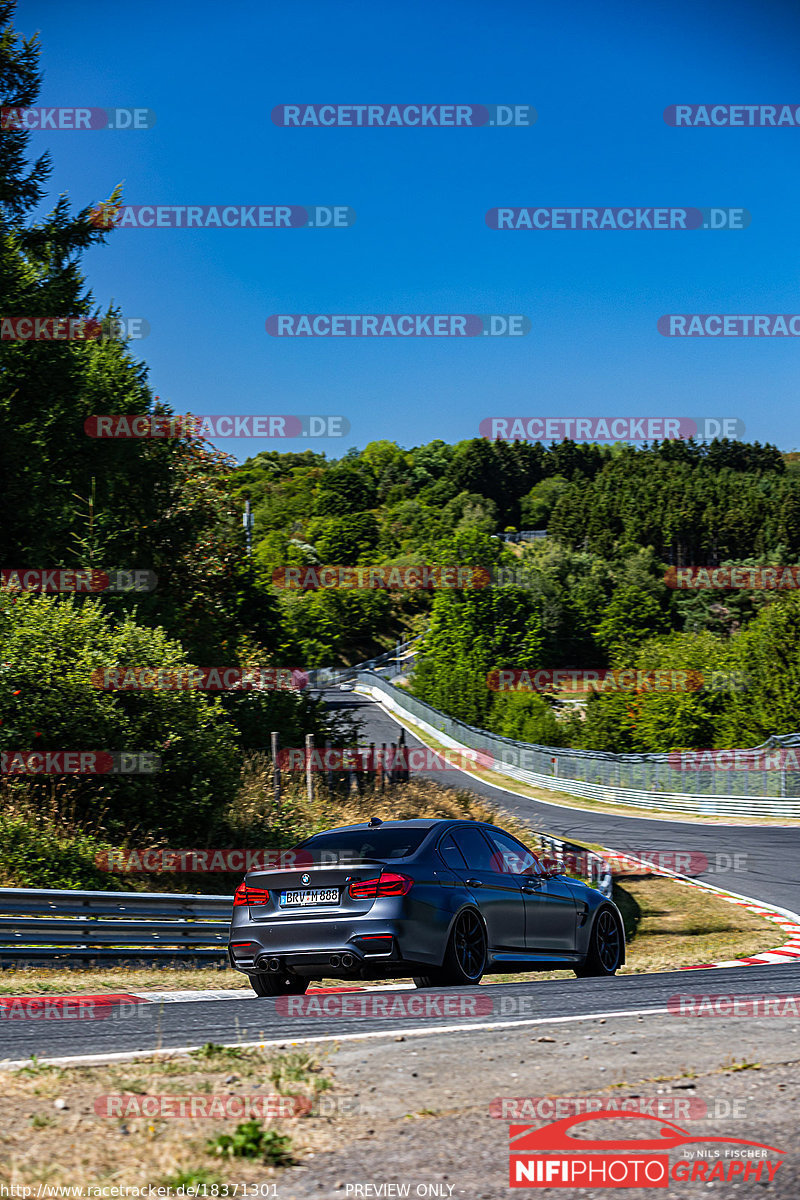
(342, 960)
(274, 965)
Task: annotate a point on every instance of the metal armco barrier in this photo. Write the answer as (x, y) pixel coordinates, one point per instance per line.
(597, 872)
(394, 662)
(641, 780)
(44, 927)
(524, 535)
(69, 928)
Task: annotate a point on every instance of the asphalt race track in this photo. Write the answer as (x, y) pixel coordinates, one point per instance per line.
(771, 873)
(182, 1024)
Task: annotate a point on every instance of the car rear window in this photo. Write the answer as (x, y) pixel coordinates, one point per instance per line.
(357, 844)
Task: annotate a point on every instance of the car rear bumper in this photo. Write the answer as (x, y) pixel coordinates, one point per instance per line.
(365, 949)
(345, 962)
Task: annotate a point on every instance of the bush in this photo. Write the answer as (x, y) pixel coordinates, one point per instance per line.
(39, 847)
(50, 648)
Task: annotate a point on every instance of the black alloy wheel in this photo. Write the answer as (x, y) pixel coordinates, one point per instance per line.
(605, 946)
(465, 957)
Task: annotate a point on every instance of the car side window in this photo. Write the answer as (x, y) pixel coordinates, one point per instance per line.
(451, 853)
(511, 857)
(477, 852)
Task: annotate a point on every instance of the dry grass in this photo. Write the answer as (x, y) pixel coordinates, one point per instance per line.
(676, 925)
(71, 1144)
(43, 981)
(254, 814)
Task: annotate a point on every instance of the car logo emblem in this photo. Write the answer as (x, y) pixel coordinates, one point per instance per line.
(305, 879)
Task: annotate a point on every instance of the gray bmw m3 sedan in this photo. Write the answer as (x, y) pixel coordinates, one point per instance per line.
(445, 902)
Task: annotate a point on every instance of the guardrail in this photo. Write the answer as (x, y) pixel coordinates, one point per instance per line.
(73, 929)
(609, 778)
(523, 535)
(53, 928)
(393, 662)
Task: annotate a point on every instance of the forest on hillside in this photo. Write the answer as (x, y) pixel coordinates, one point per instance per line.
(593, 594)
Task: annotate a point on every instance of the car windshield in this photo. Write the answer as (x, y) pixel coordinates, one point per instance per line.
(361, 843)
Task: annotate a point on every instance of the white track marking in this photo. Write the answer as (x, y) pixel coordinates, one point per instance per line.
(245, 993)
(429, 1031)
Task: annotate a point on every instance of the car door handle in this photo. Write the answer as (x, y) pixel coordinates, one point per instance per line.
(474, 883)
(529, 888)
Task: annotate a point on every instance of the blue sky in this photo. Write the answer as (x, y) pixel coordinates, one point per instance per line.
(599, 76)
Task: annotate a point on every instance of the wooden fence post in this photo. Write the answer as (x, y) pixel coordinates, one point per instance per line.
(276, 774)
(309, 775)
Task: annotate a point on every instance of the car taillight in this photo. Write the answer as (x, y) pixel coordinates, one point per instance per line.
(387, 884)
(249, 895)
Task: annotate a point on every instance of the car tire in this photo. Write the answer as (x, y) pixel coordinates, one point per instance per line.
(465, 957)
(604, 956)
(279, 984)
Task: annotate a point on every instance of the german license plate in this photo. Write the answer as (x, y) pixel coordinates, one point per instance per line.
(309, 896)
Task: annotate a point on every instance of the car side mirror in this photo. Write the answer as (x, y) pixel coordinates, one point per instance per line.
(553, 868)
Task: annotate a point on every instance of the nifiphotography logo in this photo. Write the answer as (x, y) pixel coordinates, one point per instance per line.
(642, 1161)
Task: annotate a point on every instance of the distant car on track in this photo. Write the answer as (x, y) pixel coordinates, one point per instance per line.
(445, 902)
